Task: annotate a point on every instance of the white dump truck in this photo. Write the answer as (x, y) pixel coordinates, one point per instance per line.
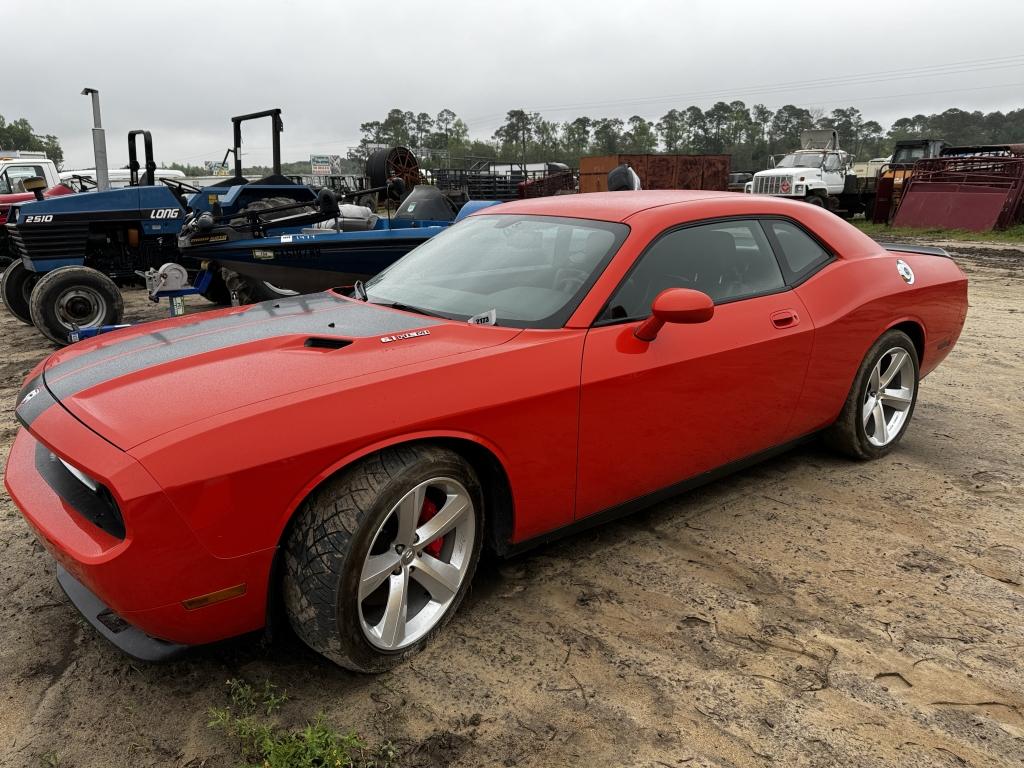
(819, 173)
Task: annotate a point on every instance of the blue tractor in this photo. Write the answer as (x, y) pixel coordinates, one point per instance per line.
(75, 250)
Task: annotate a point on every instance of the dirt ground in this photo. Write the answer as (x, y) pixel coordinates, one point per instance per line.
(810, 611)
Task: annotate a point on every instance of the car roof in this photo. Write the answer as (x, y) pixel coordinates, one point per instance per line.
(604, 206)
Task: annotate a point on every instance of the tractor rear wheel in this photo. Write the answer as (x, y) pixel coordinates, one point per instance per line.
(16, 286)
(74, 297)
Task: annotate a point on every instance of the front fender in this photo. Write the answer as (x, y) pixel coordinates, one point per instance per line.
(390, 442)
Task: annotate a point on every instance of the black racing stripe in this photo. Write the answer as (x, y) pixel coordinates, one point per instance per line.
(200, 325)
(324, 314)
(33, 399)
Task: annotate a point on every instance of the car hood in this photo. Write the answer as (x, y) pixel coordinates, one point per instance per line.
(133, 385)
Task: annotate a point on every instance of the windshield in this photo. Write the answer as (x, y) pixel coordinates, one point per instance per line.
(908, 154)
(532, 271)
(801, 160)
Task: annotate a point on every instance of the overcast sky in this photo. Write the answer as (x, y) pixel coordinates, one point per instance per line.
(181, 69)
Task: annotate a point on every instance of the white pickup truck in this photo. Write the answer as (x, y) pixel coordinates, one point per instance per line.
(18, 165)
(819, 173)
(15, 168)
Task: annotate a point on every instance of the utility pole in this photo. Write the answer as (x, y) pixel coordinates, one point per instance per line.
(99, 141)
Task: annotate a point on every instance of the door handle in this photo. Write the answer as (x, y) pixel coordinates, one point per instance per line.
(785, 318)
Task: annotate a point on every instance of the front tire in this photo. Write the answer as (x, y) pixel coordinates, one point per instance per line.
(380, 557)
(74, 296)
(881, 402)
(815, 200)
(16, 286)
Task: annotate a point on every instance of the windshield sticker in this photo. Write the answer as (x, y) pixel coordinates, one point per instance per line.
(484, 318)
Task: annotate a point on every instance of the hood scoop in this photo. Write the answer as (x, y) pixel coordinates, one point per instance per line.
(326, 342)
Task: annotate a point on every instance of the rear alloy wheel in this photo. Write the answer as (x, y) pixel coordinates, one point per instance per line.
(378, 559)
(74, 297)
(881, 402)
(16, 286)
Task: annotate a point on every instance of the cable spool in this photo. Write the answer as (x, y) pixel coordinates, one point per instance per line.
(384, 164)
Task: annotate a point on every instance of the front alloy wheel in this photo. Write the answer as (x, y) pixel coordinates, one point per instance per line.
(379, 557)
(416, 564)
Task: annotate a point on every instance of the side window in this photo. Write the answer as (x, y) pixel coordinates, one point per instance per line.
(5, 184)
(727, 260)
(15, 176)
(799, 253)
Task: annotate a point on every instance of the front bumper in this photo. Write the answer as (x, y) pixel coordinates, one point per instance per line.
(119, 632)
(144, 576)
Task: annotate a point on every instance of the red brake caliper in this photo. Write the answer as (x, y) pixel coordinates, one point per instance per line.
(429, 510)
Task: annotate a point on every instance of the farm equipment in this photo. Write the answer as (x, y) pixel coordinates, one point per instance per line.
(893, 175)
(979, 188)
(487, 180)
(75, 250)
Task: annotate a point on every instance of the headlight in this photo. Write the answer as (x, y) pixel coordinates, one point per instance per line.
(83, 478)
(798, 189)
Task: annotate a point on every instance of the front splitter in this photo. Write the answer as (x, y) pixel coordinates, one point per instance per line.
(122, 635)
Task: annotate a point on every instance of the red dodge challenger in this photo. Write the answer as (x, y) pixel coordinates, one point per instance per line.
(540, 367)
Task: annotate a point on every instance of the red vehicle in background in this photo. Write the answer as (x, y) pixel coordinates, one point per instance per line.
(540, 367)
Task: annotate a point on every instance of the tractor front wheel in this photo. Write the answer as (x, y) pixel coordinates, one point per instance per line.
(74, 297)
(16, 286)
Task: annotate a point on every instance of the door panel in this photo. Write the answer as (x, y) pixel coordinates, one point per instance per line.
(697, 397)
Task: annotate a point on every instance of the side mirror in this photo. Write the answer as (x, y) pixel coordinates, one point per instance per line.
(675, 305)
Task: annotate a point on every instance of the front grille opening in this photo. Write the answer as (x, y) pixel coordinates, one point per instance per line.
(95, 504)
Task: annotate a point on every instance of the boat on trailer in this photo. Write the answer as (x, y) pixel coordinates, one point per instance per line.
(334, 245)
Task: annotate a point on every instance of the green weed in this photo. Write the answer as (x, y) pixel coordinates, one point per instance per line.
(264, 745)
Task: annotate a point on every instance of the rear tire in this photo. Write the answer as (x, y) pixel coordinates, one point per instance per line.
(72, 296)
(881, 401)
(16, 286)
(367, 581)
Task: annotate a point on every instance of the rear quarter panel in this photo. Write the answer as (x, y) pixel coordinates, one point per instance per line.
(854, 301)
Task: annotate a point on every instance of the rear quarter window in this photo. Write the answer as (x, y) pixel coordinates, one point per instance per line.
(800, 255)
